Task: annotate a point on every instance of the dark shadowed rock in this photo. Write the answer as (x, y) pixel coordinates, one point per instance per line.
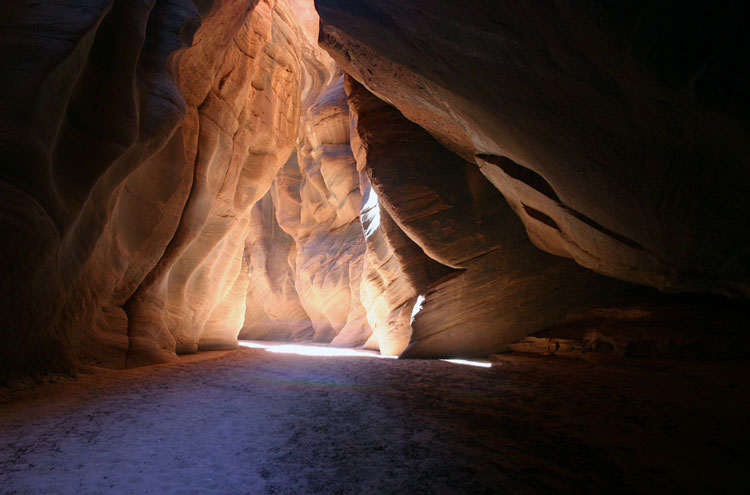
(500, 287)
(618, 133)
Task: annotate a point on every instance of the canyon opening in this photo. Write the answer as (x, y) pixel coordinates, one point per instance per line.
(384, 246)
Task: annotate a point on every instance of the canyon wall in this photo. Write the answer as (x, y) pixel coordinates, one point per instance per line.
(617, 133)
(243, 86)
(174, 173)
(495, 287)
(87, 97)
(307, 254)
(134, 144)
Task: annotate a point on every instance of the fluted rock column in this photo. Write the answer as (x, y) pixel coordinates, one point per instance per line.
(242, 81)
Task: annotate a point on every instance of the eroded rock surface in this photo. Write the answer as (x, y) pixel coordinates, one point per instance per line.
(273, 309)
(130, 167)
(242, 81)
(87, 96)
(496, 287)
(174, 172)
(308, 248)
(618, 134)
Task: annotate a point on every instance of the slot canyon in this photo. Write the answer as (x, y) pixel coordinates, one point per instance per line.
(374, 246)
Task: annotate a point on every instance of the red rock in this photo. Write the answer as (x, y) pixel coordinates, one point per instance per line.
(308, 247)
(86, 97)
(495, 286)
(616, 133)
(149, 205)
(134, 168)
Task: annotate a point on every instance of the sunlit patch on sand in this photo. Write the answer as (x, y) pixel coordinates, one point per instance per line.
(465, 362)
(253, 345)
(324, 351)
(305, 350)
(313, 350)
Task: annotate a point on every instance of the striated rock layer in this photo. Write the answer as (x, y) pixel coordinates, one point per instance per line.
(87, 96)
(496, 287)
(308, 251)
(177, 171)
(130, 168)
(242, 82)
(273, 309)
(618, 134)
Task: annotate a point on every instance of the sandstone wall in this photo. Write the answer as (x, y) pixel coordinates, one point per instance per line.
(173, 172)
(617, 133)
(130, 166)
(87, 96)
(243, 88)
(273, 309)
(314, 234)
(487, 285)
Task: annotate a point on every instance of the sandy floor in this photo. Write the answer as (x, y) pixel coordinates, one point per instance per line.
(250, 421)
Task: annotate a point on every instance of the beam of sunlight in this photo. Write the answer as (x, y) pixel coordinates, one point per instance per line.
(417, 307)
(313, 350)
(327, 351)
(370, 214)
(253, 345)
(305, 350)
(465, 362)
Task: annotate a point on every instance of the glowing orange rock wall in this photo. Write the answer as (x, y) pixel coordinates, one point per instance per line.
(243, 88)
(173, 172)
(308, 249)
(130, 168)
(87, 98)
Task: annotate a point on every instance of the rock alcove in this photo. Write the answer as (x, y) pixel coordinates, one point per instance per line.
(178, 174)
(412, 179)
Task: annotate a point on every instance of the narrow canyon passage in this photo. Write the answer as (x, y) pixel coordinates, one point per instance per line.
(560, 188)
(250, 421)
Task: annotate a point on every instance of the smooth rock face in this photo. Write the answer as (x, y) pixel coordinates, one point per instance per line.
(308, 247)
(86, 96)
(130, 168)
(173, 172)
(496, 287)
(243, 88)
(330, 243)
(396, 269)
(618, 134)
(273, 309)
